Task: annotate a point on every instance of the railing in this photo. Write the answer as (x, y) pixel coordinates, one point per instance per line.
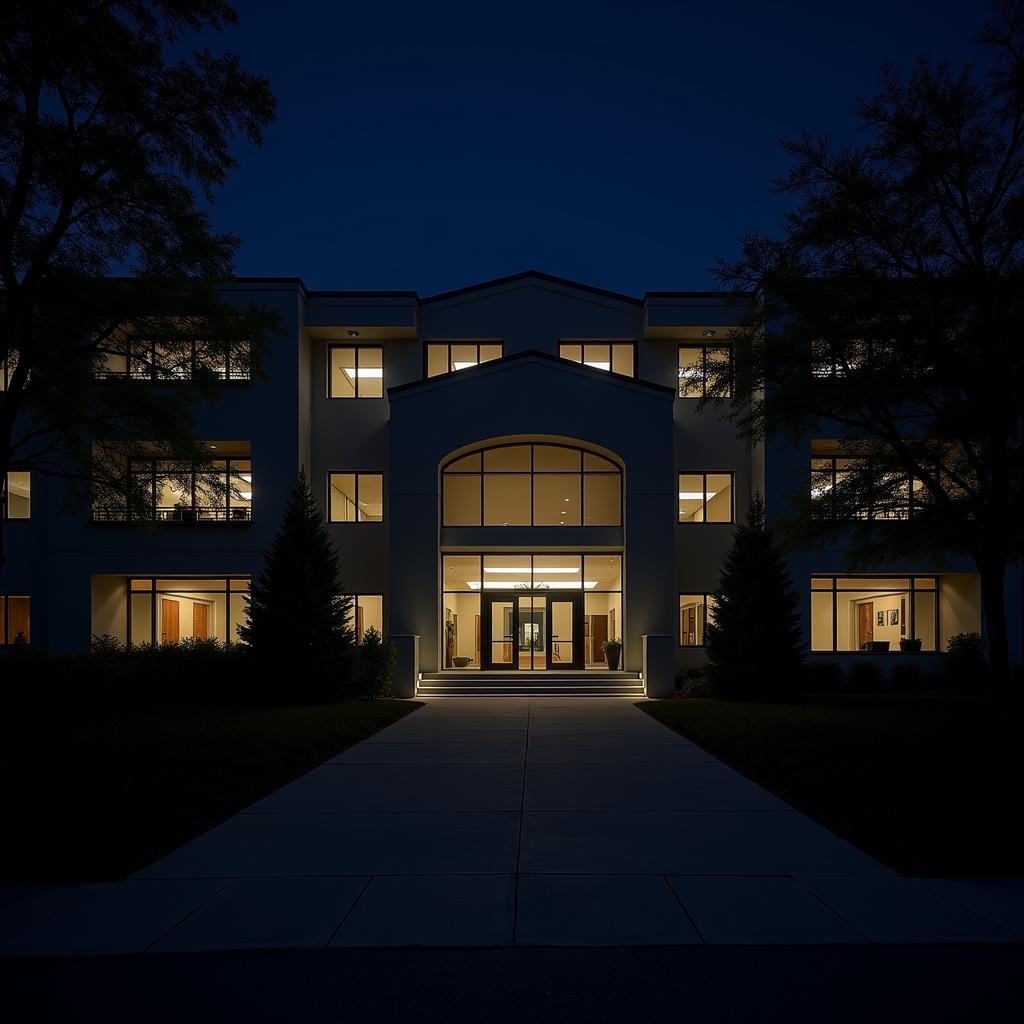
(184, 516)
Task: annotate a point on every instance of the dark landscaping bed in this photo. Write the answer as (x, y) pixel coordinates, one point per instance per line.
(930, 785)
(96, 795)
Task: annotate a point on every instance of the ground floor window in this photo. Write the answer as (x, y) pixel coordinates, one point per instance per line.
(14, 619)
(530, 611)
(874, 613)
(367, 611)
(165, 610)
(695, 611)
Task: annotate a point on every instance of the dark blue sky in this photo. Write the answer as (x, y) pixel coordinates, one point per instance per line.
(428, 146)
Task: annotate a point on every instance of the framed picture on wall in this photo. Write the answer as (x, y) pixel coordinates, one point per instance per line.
(880, 619)
(894, 616)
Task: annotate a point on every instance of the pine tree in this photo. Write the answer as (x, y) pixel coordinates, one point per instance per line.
(297, 605)
(753, 640)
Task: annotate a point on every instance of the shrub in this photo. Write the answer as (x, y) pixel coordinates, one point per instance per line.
(865, 676)
(964, 663)
(695, 683)
(104, 643)
(822, 675)
(375, 668)
(907, 677)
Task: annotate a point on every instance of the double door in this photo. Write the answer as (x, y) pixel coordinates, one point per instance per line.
(531, 631)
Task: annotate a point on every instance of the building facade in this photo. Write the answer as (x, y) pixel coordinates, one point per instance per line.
(514, 473)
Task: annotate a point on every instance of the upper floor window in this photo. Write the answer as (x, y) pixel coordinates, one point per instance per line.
(356, 371)
(129, 355)
(356, 497)
(615, 357)
(14, 619)
(7, 366)
(168, 491)
(705, 370)
(17, 503)
(865, 487)
(531, 485)
(446, 357)
(705, 498)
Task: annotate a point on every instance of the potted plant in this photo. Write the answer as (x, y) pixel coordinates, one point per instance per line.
(612, 649)
(911, 645)
(449, 642)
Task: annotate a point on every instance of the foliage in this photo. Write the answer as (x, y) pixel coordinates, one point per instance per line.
(376, 665)
(297, 605)
(865, 676)
(112, 142)
(822, 675)
(695, 684)
(753, 642)
(965, 662)
(907, 677)
(613, 643)
(889, 317)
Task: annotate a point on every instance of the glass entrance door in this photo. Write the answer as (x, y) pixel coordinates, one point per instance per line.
(565, 631)
(533, 632)
(499, 622)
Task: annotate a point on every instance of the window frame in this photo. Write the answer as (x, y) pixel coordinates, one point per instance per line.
(131, 353)
(476, 342)
(704, 474)
(910, 591)
(5, 501)
(911, 507)
(355, 601)
(330, 372)
(153, 592)
(707, 596)
(608, 343)
(357, 473)
(703, 348)
(6, 640)
(532, 473)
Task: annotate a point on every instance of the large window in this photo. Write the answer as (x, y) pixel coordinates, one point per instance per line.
(862, 488)
(695, 612)
(356, 371)
(705, 498)
(17, 501)
(356, 497)
(705, 370)
(14, 619)
(169, 610)
(873, 613)
(615, 357)
(181, 493)
(367, 612)
(141, 359)
(532, 485)
(7, 366)
(447, 357)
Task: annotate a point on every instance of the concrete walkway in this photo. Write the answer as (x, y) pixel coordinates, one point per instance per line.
(498, 821)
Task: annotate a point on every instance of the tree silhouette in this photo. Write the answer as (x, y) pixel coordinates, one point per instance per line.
(296, 604)
(753, 638)
(889, 319)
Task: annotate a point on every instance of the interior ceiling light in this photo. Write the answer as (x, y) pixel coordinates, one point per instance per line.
(367, 371)
(599, 366)
(552, 585)
(695, 495)
(509, 569)
(460, 365)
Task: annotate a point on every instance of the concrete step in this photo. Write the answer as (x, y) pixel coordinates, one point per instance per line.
(535, 684)
(515, 691)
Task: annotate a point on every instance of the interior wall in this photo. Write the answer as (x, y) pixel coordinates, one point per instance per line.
(109, 607)
(959, 605)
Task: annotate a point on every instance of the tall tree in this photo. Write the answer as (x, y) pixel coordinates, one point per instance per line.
(753, 638)
(297, 605)
(890, 320)
(110, 151)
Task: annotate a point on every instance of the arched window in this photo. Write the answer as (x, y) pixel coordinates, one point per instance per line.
(531, 485)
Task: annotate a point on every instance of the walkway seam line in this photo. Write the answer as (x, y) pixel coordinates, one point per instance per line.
(347, 914)
(519, 838)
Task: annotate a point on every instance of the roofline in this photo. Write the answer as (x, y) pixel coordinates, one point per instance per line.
(699, 295)
(497, 282)
(565, 364)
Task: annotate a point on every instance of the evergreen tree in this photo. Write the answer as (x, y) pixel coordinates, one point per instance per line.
(753, 639)
(297, 605)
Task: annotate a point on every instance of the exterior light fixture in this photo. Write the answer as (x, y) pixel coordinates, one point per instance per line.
(353, 334)
(709, 333)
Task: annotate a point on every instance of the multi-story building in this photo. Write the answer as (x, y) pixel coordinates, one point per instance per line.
(513, 473)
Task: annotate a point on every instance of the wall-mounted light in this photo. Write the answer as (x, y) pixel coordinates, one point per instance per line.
(353, 334)
(709, 332)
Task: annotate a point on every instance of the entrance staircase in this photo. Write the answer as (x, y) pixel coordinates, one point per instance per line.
(552, 683)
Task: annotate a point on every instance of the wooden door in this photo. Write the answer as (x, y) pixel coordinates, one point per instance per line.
(688, 627)
(201, 621)
(865, 623)
(598, 635)
(168, 621)
(359, 624)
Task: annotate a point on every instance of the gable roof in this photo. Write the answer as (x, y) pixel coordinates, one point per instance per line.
(498, 282)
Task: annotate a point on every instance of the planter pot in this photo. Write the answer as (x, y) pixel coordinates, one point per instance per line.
(613, 659)
(910, 646)
(461, 662)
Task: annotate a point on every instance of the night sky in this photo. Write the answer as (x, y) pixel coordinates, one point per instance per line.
(428, 146)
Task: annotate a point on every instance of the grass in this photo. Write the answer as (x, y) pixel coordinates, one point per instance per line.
(929, 785)
(96, 795)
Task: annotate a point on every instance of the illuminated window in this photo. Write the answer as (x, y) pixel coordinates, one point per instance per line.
(447, 357)
(695, 612)
(614, 357)
(14, 619)
(17, 503)
(531, 485)
(356, 497)
(705, 498)
(705, 370)
(863, 488)
(129, 355)
(167, 610)
(356, 371)
(367, 612)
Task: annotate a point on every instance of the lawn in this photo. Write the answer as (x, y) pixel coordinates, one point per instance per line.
(929, 785)
(96, 795)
